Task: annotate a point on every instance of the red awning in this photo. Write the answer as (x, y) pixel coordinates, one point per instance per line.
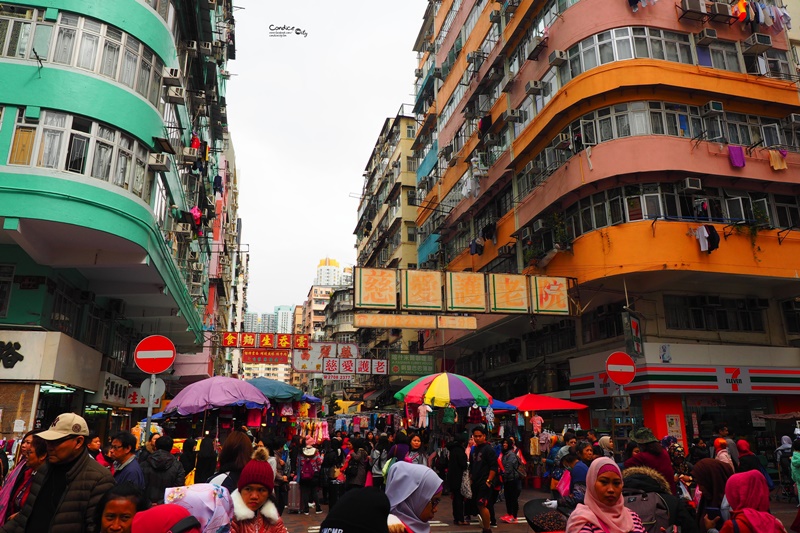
(538, 402)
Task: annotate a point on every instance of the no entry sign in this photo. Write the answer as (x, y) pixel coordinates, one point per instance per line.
(621, 368)
(154, 354)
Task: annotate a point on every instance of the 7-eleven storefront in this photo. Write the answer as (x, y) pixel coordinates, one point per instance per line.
(686, 390)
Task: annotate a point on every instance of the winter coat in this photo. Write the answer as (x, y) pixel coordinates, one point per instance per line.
(161, 471)
(87, 481)
(661, 463)
(266, 520)
(456, 466)
(796, 467)
(358, 479)
(649, 480)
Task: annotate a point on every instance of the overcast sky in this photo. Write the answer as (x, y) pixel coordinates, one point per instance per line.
(305, 110)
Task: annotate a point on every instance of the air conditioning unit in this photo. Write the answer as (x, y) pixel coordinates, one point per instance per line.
(712, 108)
(437, 73)
(191, 48)
(515, 115)
(694, 5)
(562, 141)
(183, 227)
(446, 151)
(495, 73)
(198, 97)
(721, 8)
(495, 17)
(396, 163)
(692, 184)
(190, 154)
(491, 139)
(470, 112)
(159, 162)
(557, 58)
(471, 57)
(417, 72)
(176, 95)
(758, 43)
(171, 77)
(538, 225)
(533, 47)
(706, 37)
(206, 48)
(506, 250)
(197, 267)
(507, 83)
(511, 6)
(525, 234)
(533, 87)
(791, 122)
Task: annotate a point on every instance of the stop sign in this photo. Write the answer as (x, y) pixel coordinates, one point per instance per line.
(154, 354)
(621, 368)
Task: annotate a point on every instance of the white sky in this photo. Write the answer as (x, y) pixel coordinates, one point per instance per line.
(304, 115)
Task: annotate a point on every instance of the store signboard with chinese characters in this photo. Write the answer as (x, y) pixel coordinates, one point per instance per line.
(411, 364)
(136, 398)
(111, 390)
(262, 356)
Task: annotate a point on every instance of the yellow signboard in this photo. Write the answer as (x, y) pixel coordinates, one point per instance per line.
(550, 295)
(508, 293)
(372, 320)
(420, 290)
(456, 322)
(375, 288)
(466, 292)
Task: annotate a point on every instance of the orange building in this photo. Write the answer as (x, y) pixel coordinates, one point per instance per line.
(650, 154)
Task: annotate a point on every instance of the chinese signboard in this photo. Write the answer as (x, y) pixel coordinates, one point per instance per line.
(508, 293)
(420, 290)
(409, 364)
(466, 291)
(369, 320)
(266, 356)
(456, 322)
(135, 398)
(550, 295)
(375, 288)
(633, 335)
(309, 361)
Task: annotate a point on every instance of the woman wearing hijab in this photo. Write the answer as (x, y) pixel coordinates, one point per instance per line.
(747, 459)
(414, 492)
(682, 468)
(784, 450)
(210, 504)
(606, 446)
(602, 510)
(721, 452)
(748, 496)
(711, 476)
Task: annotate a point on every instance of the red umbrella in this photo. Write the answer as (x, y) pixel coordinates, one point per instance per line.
(537, 402)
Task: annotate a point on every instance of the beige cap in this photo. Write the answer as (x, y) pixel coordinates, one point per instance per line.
(64, 425)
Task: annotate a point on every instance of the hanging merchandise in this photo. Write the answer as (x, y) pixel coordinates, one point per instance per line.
(422, 418)
(475, 414)
(489, 415)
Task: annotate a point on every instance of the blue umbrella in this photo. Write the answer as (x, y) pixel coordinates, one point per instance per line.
(276, 390)
(502, 406)
(309, 398)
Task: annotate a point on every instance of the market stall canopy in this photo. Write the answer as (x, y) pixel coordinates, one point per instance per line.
(216, 392)
(276, 390)
(497, 405)
(440, 390)
(538, 402)
(310, 399)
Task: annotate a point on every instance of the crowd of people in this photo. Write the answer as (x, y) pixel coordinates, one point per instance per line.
(65, 481)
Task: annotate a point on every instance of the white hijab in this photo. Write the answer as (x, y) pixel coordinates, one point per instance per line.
(410, 488)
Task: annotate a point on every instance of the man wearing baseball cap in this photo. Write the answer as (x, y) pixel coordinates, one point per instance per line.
(67, 488)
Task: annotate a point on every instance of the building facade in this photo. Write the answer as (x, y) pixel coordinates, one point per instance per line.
(604, 143)
(386, 231)
(118, 198)
(328, 273)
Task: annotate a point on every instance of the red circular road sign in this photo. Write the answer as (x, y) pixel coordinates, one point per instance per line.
(621, 368)
(154, 354)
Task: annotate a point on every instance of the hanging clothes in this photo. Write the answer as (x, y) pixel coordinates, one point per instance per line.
(736, 155)
(776, 160)
(713, 238)
(701, 233)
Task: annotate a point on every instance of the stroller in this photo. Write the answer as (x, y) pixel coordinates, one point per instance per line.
(542, 519)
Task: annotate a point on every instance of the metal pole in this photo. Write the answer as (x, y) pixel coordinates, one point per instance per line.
(150, 400)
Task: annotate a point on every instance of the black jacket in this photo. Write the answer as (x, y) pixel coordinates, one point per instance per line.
(161, 471)
(681, 514)
(456, 465)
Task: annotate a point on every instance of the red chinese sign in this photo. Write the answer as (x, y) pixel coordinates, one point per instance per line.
(266, 356)
(284, 340)
(230, 340)
(266, 340)
(247, 340)
(301, 342)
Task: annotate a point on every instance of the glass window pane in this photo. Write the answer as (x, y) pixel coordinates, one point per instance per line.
(589, 59)
(87, 54)
(606, 130)
(672, 124)
(657, 123)
(108, 66)
(606, 53)
(41, 40)
(652, 206)
(600, 218)
(50, 150)
(65, 44)
(142, 85)
(101, 164)
(658, 48)
(129, 64)
(615, 205)
(624, 48)
(18, 39)
(623, 126)
(77, 152)
(634, 208)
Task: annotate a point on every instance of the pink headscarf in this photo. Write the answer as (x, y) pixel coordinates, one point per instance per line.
(611, 518)
(748, 493)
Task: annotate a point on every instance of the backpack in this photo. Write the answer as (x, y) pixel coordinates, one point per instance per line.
(308, 469)
(652, 508)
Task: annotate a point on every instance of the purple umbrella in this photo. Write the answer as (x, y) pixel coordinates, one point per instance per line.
(212, 393)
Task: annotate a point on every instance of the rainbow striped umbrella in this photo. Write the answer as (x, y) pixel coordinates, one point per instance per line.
(440, 390)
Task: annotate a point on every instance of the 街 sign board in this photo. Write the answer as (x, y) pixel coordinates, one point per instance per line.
(409, 364)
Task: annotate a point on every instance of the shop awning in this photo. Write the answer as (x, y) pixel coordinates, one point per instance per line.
(795, 415)
(374, 395)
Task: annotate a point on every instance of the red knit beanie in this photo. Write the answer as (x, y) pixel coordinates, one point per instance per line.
(258, 473)
(163, 519)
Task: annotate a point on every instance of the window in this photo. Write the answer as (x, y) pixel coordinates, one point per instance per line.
(713, 314)
(52, 140)
(411, 131)
(6, 283)
(605, 322)
(791, 315)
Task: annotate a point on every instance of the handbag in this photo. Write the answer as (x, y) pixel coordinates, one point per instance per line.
(466, 485)
(522, 470)
(189, 479)
(387, 466)
(564, 483)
